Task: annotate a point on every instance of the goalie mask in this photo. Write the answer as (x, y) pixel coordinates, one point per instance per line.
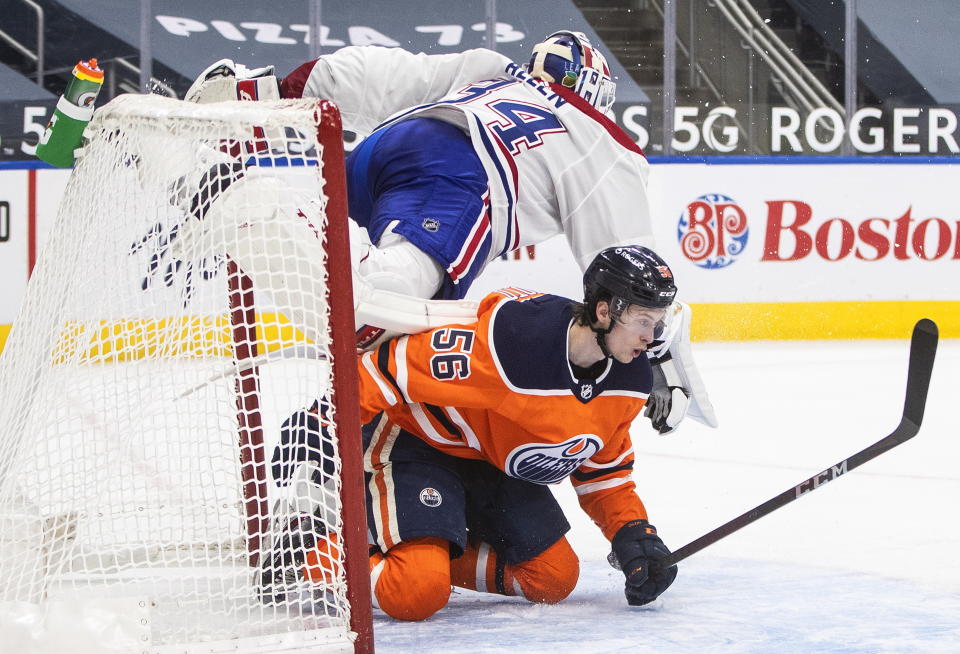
(568, 59)
(626, 275)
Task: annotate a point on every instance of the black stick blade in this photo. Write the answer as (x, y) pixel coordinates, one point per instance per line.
(923, 350)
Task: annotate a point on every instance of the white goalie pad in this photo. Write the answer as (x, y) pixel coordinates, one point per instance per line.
(257, 223)
(676, 341)
(267, 227)
(408, 314)
(389, 282)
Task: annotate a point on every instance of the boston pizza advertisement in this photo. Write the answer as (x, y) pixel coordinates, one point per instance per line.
(802, 233)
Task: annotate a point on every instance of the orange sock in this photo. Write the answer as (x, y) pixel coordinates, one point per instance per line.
(412, 580)
(322, 563)
(547, 578)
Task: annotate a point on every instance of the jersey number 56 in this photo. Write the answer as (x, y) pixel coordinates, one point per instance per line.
(453, 347)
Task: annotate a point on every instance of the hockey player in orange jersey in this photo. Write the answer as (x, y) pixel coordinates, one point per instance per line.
(468, 424)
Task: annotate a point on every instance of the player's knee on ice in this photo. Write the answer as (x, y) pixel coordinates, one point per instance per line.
(551, 576)
(412, 580)
(546, 578)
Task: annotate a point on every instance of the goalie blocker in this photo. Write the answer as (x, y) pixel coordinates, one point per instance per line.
(678, 389)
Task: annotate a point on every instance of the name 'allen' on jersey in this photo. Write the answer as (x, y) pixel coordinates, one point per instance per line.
(502, 390)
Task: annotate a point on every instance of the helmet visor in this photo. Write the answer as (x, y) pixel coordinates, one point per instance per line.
(645, 321)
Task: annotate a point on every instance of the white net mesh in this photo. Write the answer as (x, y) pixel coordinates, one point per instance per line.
(147, 383)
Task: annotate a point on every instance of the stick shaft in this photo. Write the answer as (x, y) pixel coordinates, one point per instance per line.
(923, 347)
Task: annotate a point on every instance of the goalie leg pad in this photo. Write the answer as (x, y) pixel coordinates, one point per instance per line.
(280, 250)
(390, 282)
(283, 256)
(396, 265)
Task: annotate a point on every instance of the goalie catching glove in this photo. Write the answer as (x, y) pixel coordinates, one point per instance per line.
(227, 80)
(636, 547)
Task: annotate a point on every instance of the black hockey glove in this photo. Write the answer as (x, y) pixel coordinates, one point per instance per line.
(635, 547)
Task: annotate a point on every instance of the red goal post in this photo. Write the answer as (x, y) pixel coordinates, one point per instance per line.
(346, 385)
(200, 254)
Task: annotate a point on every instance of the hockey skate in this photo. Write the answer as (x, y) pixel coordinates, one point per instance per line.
(302, 565)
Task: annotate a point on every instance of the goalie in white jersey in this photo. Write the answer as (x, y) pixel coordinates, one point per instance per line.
(483, 157)
(470, 156)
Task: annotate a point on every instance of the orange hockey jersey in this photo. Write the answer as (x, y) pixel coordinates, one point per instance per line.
(502, 390)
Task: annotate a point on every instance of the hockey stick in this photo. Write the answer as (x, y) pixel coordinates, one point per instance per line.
(923, 349)
(305, 352)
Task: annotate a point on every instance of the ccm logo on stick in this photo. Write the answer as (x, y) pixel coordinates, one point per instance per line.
(825, 476)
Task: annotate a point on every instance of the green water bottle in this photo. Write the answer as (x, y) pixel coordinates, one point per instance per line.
(64, 132)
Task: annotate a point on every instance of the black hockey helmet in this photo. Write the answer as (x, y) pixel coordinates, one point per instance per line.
(625, 275)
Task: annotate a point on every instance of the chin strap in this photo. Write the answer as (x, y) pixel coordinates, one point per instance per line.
(602, 339)
(617, 305)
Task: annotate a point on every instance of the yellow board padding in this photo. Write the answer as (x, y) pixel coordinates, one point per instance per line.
(132, 340)
(164, 339)
(201, 337)
(746, 321)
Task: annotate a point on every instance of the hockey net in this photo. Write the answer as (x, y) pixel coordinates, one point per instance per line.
(192, 296)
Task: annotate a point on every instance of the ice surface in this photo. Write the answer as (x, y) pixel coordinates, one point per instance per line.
(867, 563)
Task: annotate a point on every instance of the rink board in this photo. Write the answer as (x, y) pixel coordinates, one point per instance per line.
(796, 250)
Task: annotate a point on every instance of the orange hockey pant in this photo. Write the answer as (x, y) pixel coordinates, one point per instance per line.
(412, 580)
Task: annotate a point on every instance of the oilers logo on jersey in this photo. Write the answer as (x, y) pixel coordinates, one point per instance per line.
(543, 463)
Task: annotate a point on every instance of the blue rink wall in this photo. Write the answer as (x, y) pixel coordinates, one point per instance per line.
(763, 247)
